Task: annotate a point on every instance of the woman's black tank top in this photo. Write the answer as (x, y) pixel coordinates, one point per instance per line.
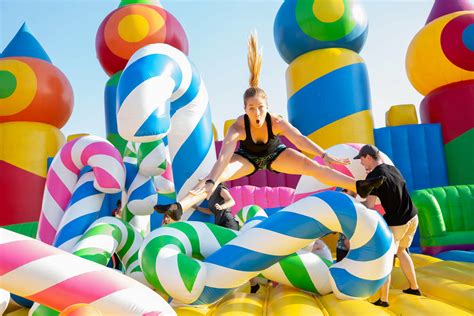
(259, 149)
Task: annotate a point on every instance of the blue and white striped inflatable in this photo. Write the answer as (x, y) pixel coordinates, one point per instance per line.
(358, 276)
(161, 93)
(84, 208)
(270, 241)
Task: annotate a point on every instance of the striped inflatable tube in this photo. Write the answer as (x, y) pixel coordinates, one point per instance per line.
(135, 154)
(138, 199)
(109, 177)
(171, 261)
(109, 235)
(151, 157)
(189, 280)
(106, 236)
(142, 161)
(250, 216)
(167, 257)
(358, 276)
(57, 279)
(83, 209)
(161, 93)
(303, 269)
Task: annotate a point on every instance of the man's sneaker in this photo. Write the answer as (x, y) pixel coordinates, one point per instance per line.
(412, 291)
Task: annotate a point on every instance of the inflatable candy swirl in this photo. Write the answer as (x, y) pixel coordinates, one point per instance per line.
(110, 235)
(359, 275)
(106, 236)
(58, 279)
(109, 177)
(161, 93)
(294, 227)
(83, 209)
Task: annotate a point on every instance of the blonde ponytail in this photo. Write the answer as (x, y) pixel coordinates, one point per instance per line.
(254, 60)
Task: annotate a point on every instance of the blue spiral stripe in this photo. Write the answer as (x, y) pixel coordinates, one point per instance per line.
(143, 191)
(301, 226)
(149, 125)
(376, 247)
(85, 190)
(211, 294)
(75, 228)
(242, 259)
(190, 93)
(196, 146)
(351, 285)
(155, 65)
(131, 173)
(344, 208)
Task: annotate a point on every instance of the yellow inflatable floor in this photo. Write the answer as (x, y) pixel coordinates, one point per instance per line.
(447, 287)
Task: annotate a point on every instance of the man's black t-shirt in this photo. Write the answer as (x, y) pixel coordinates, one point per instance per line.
(393, 194)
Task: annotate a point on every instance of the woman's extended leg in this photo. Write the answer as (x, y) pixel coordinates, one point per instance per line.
(293, 162)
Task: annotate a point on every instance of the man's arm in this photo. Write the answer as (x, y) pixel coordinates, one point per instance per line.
(228, 200)
(370, 201)
(204, 210)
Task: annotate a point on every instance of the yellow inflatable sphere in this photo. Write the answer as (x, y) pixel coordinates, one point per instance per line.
(442, 52)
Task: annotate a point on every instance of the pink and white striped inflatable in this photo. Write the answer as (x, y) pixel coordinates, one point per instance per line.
(93, 151)
(57, 279)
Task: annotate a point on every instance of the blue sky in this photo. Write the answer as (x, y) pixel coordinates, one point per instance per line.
(217, 32)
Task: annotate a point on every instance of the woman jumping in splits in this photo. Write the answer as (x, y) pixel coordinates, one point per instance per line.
(260, 148)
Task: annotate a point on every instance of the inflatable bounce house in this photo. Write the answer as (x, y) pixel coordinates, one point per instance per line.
(62, 252)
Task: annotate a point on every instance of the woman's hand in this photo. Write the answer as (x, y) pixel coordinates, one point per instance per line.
(218, 207)
(329, 160)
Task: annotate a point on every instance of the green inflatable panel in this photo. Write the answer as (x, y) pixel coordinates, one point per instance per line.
(446, 218)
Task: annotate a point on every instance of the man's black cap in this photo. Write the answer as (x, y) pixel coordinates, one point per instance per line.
(370, 150)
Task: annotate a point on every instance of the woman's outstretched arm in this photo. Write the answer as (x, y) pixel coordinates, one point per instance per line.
(210, 183)
(228, 147)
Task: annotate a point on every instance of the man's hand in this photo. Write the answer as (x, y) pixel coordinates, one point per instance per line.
(203, 187)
